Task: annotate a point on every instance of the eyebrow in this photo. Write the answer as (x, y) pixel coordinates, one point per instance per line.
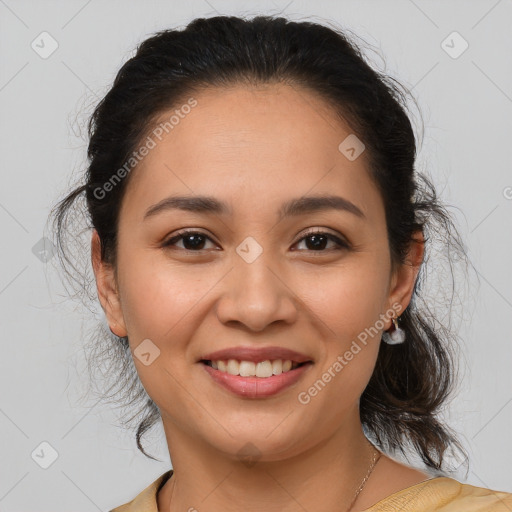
(293, 207)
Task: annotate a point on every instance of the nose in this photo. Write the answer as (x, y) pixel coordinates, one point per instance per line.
(256, 295)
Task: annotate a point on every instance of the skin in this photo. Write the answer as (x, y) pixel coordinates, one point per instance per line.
(256, 147)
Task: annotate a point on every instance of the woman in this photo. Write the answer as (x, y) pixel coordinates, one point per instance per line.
(258, 233)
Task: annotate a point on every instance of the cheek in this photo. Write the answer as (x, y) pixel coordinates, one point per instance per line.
(348, 299)
(167, 304)
(157, 297)
(163, 304)
(346, 305)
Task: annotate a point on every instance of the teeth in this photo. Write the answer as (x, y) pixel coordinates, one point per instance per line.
(264, 369)
(277, 367)
(250, 369)
(246, 369)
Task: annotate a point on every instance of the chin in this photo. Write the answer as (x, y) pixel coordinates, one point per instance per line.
(267, 443)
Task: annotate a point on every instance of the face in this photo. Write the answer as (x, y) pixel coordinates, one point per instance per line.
(254, 274)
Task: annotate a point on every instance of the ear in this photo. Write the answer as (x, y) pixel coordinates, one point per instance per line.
(107, 288)
(405, 275)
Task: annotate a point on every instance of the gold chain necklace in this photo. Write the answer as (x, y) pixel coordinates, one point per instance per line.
(375, 459)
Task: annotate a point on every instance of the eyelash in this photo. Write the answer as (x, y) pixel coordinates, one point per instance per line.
(342, 244)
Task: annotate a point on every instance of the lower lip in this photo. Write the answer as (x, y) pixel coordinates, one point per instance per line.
(257, 387)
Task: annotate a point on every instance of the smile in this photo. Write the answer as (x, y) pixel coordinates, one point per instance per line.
(263, 369)
(255, 380)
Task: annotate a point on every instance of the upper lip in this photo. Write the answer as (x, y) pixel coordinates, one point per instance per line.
(256, 354)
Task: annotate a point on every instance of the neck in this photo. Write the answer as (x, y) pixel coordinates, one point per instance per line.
(324, 477)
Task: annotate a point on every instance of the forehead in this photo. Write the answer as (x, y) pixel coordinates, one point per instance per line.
(251, 142)
(264, 120)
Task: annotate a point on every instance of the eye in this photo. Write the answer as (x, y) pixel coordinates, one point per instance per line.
(192, 240)
(319, 239)
(195, 241)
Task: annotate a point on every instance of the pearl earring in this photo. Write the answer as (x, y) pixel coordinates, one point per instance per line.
(395, 337)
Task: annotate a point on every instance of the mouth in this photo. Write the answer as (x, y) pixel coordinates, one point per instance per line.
(262, 369)
(255, 372)
(255, 379)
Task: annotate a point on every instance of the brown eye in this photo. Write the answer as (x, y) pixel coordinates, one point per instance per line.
(318, 240)
(192, 240)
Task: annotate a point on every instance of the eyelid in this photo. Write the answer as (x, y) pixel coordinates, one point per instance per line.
(321, 231)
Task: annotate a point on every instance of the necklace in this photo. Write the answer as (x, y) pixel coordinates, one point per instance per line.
(373, 463)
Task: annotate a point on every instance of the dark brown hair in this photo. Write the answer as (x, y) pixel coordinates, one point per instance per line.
(412, 381)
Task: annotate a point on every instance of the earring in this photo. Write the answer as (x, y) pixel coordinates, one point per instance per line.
(395, 337)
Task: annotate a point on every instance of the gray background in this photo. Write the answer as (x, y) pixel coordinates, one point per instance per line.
(466, 104)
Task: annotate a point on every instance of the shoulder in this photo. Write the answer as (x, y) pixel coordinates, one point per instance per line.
(444, 494)
(146, 500)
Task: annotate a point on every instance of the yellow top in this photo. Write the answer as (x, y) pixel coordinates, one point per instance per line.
(440, 494)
